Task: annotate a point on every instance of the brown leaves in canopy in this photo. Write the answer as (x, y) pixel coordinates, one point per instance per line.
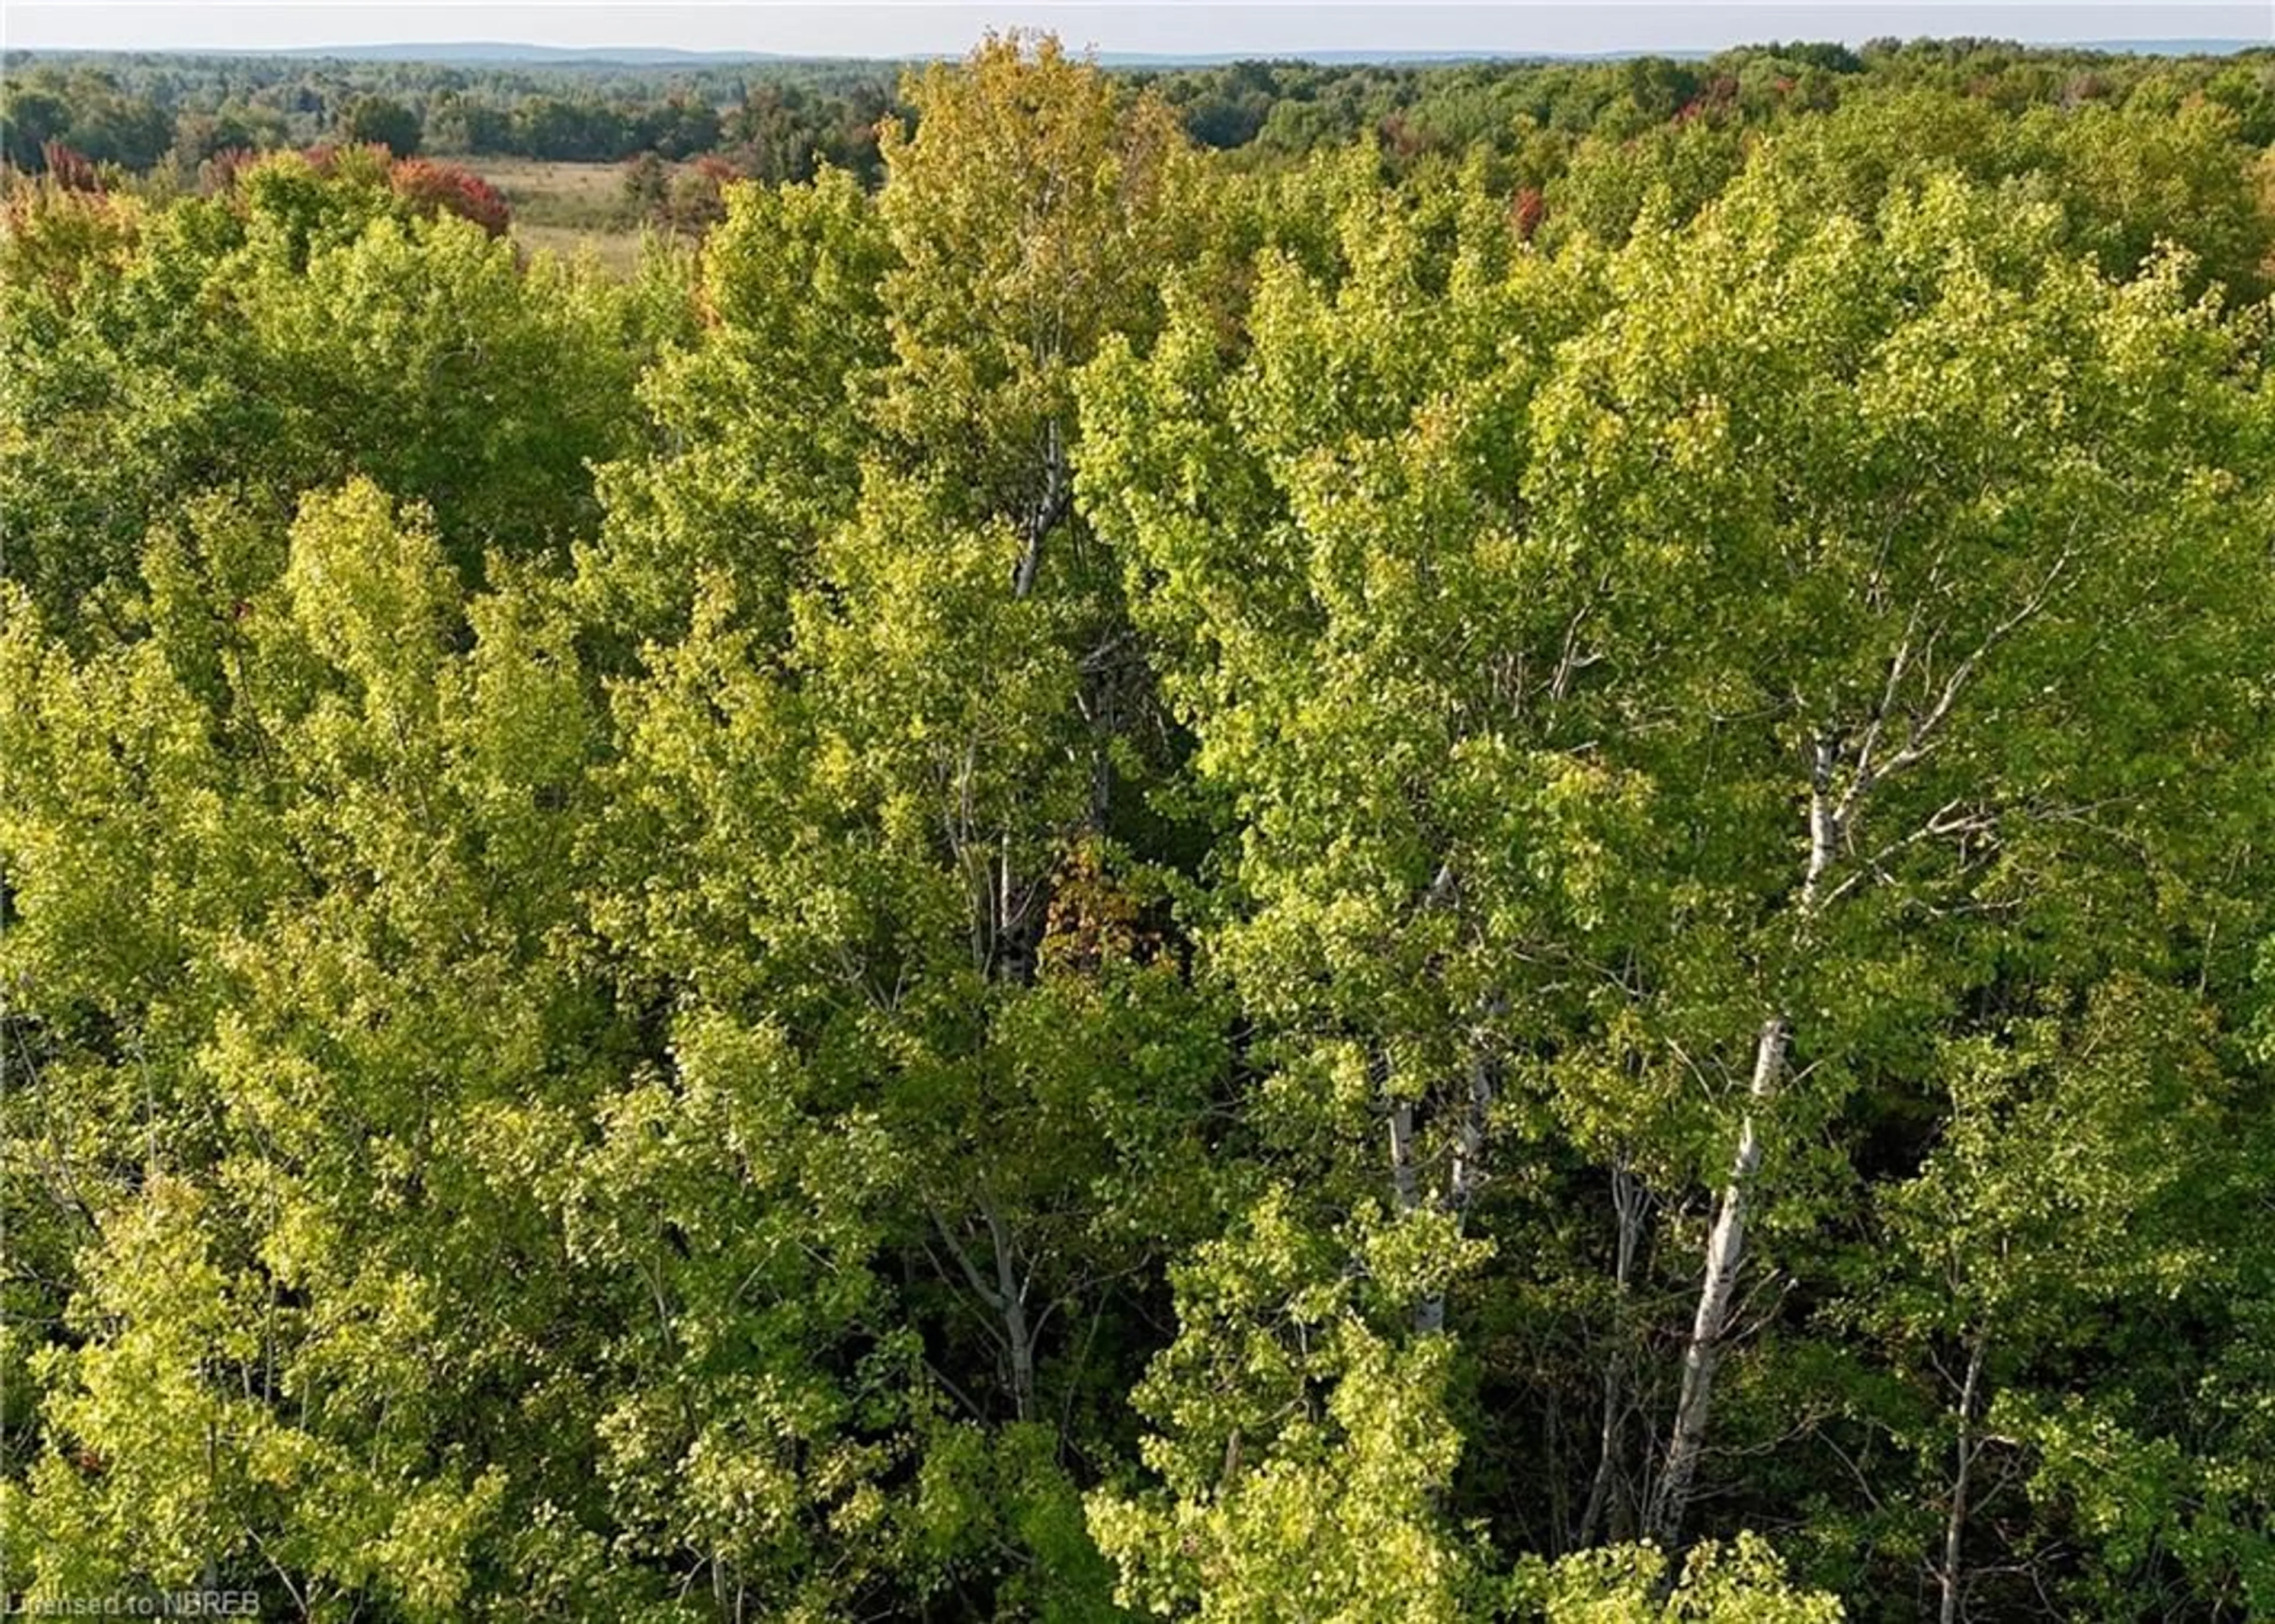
(1094, 920)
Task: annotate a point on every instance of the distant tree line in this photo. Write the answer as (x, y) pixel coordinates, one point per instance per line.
(146, 113)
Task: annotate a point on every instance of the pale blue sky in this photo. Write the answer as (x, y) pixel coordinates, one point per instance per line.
(1164, 27)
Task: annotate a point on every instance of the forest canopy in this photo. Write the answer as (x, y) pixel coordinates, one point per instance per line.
(1270, 843)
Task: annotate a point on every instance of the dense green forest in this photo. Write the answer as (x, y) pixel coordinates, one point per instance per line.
(1351, 846)
(165, 115)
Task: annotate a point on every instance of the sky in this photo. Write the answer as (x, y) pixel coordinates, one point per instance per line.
(1164, 27)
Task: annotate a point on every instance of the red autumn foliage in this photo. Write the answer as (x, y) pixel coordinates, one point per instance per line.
(218, 174)
(1403, 141)
(693, 200)
(1526, 211)
(72, 171)
(326, 157)
(432, 188)
(1715, 102)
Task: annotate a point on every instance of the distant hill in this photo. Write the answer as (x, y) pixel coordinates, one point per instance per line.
(503, 52)
(508, 52)
(2174, 48)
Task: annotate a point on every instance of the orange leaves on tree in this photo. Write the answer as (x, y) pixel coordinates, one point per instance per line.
(432, 187)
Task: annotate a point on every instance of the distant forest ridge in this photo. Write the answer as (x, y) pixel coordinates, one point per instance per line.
(776, 117)
(665, 55)
(685, 126)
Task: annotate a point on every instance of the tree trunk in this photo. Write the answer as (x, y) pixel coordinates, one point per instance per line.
(1726, 1243)
(1725, 1251)
(1464, 1174)
(1627, 1203)
(1011, 1295)
(1049, 508)
(1465, 1169)
(1406, 1184)
(1468, 1169)
(1006, 1297)
(1954, 1523)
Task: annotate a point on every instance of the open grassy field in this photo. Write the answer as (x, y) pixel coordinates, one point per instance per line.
(544, 192)
(619, 250)
(564, 207)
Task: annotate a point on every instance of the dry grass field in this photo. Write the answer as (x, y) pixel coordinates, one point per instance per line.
(554, 194)
(618, 251)
(567, 207)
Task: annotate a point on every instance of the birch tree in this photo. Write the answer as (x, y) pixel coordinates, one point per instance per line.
(1927, 474)
(1802, 591)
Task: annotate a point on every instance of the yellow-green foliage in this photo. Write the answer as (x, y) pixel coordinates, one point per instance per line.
(1065, 891)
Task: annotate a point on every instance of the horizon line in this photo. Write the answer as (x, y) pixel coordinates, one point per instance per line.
(630, 52)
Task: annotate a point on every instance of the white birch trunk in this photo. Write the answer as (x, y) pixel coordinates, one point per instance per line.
(1468, 1169)
(1725, 1251)
(1726, 1243)
(1006, 1298)
(1464, 1174)
(1954, 1523)
(1405, 1182)
(1011, 1299)
(1050, 507)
